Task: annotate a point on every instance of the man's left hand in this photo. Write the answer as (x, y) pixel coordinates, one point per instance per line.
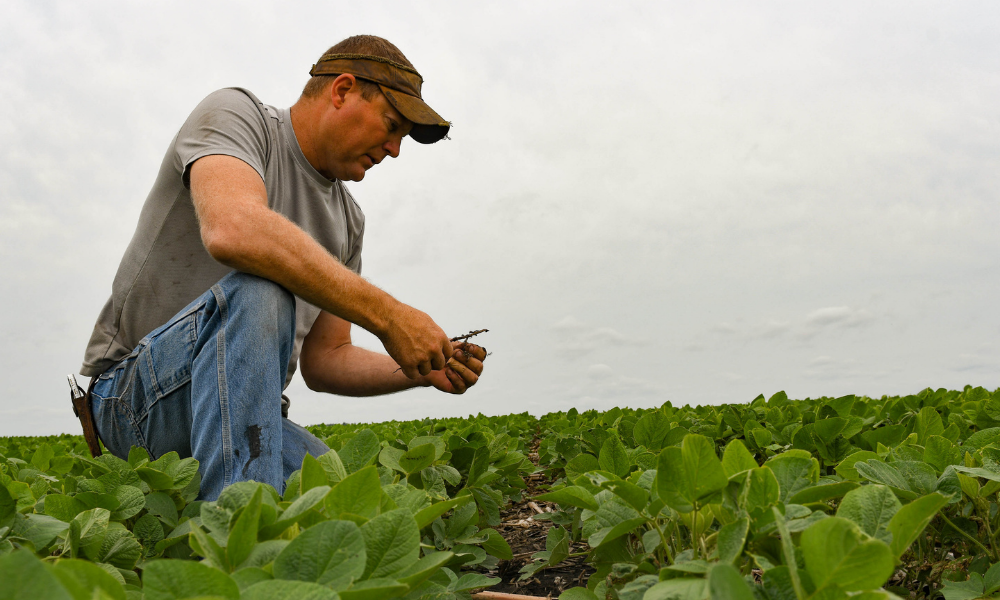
(462, 370)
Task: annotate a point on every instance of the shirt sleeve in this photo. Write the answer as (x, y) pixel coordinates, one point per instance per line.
(226, 122)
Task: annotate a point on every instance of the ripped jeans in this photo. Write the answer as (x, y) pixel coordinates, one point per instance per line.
(208, 384)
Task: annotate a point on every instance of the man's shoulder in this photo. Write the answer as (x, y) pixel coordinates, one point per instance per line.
(232, 97)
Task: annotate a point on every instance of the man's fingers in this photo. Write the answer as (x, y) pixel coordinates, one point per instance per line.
(467, 374)
(474, 364)
(457, 382)
(473, 350)
(424, 368)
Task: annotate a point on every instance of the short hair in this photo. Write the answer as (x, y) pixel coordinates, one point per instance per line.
(357, 44)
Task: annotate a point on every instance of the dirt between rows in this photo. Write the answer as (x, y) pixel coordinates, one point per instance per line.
(527, 536)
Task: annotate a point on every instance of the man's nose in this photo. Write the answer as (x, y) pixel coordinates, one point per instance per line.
(392, 146)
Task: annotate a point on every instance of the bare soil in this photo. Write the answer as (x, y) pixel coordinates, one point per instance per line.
(527, 536)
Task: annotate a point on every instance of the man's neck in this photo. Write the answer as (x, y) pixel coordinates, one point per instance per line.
(303, 116)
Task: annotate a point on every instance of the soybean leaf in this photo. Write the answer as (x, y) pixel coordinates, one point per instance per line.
(726, 583)
(178, 579)
(243, 535)
(288, 590)
(650, 430)
(417, 458)
(731, 540)
(335, 470)
(24, 576)
(572, 495)
(613, 457)
(296, 512)
(392, 543)
(760, 491)
(910, 520)
(823, 492)
(496, 545)
(424, 568)
(837, 552)
(795, 470)
(380, 588)
(87, 531)
(331, 553)
(736, 458)
(678, 589)
(426, 516)
(871, 507)
(359, 451)
(690, 474)
(358, 494)
(83, 578)
(313, 474)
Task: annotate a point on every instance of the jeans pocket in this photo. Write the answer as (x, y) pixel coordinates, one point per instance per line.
(114, 418)
(168, 354)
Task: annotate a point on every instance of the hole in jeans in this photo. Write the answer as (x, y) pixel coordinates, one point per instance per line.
(253, 439)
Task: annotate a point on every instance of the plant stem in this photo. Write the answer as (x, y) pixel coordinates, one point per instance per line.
(694, 536)
(965, 535)
(663, 540)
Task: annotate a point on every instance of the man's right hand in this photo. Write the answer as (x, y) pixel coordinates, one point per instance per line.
(416, 342)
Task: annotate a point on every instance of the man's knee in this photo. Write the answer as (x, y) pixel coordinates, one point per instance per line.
(260, 299)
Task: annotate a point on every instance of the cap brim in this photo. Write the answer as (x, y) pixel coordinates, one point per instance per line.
(428, 126)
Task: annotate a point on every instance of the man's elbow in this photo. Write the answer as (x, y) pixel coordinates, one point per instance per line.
(225, 244)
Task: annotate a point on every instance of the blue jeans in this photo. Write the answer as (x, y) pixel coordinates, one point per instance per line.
(208, 384)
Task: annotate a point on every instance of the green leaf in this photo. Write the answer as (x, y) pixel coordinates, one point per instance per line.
(473, 581)
(678, 589)
(870, 507)
(572, 495)
(389, 457)
(760, 491)
(731, 539)
(614, 458)
(557, 545)
(726, 583)
(650, 430)
(691, 474)
(795, 470)
(360, 450)
(358, 494)
(836, 551)
(496, 545)
(821, 493)
(288, 590)
(61, 507)
(87, 531)
(788, 552)
(120, 548)
(972, 589)
(179, 579)
(910, 520)
(381, 588)
(131, 501)
(417, 458)
(244, 578)
(296, 512)
(581, 464)
(392, 543)
(43, 454)
(24, 576)
(426, 516)
(205, 546)
(313, 474)
(940, 452)
(83, 578)
(162, 506)
(927, 423)
(736, 458)
(243, 535)
(635, 496)
(424, 568)
(8, 507)
(330, 553)
(335, 470)
(580, 593)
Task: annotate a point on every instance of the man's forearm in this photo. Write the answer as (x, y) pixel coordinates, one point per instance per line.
(352, 371)
(282, 252)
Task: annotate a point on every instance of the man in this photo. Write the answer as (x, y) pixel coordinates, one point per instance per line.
(245, 262)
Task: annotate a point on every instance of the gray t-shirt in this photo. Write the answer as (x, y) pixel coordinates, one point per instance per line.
(166, 265)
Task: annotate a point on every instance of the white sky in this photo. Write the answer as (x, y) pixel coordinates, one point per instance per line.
(643, 201)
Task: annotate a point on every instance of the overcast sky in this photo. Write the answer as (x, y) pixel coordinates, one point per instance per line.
(643, 201)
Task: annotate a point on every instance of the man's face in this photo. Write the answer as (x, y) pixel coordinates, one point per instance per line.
(365, 133)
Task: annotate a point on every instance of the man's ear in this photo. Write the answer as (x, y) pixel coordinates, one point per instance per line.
(340, 87)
